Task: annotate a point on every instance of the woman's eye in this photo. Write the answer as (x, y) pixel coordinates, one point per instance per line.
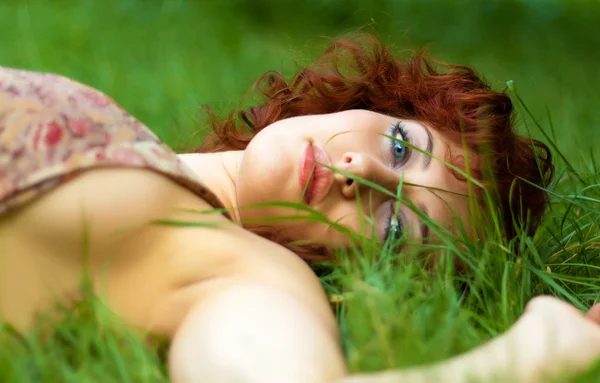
(395, 229)
(400, 150)
(393, 226)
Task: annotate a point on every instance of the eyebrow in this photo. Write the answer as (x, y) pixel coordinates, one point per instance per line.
(428, 149)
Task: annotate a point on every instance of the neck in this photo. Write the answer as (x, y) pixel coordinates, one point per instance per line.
(218, 171)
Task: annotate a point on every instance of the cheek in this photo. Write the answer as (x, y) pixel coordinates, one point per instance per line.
(343, 218)
(364, 220)
(267, 162)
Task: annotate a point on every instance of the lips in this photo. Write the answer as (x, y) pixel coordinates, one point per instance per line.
(315, 179)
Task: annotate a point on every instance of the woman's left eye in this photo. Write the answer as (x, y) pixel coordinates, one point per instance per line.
(398, 143)
(399, 150)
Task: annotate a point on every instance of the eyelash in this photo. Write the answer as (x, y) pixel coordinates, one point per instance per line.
(396, 128)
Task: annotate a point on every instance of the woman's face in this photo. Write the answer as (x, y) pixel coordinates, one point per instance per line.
(281, 163)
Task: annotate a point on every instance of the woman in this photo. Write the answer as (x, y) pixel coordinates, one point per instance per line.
(88, 190)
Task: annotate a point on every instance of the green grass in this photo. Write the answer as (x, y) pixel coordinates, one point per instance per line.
(162, 60)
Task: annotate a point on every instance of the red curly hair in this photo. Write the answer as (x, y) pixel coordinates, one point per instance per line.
(361, 73)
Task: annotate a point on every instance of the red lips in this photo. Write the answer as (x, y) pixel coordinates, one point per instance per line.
(315, 179)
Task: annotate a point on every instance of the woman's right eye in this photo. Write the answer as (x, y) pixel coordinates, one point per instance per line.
(395, 231)
(393, 225)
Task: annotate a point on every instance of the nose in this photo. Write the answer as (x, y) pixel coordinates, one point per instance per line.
(364, 166)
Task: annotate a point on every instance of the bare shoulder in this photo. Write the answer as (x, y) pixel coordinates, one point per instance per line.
(101, 202)
(102, 214)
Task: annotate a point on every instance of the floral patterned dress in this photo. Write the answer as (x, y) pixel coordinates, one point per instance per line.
(52, 128)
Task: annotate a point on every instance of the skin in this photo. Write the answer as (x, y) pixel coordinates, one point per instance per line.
(236, 306)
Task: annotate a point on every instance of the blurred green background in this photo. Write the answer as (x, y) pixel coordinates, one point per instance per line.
(162, 59)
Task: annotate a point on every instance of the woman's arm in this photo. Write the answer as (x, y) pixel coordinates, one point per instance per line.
(551, 339)
(249, 332)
